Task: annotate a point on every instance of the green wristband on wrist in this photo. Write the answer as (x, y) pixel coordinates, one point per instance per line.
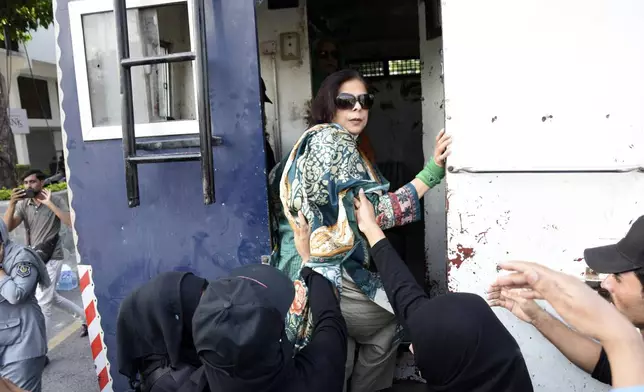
(432, 174)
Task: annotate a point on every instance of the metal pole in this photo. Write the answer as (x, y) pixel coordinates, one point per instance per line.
(7, 41)
(127, 106)
(203, 102)
(277, 134)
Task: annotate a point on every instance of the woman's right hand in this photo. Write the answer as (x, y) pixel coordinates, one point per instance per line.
(366, 217)
(17, 195)
(365, 213)
(302, 234)
(526, 310)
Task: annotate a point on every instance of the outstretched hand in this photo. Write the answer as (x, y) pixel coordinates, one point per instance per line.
(575, 302)
(526, 310)
(365, 213)
(366, 218)
(302, 233)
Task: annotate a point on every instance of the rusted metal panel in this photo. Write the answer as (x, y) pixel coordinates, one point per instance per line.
(545, 84)
(545, 218)
(533, 90)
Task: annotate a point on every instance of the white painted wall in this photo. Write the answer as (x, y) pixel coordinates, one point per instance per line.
(433, 122)
(16, 64)
(499, 83)
(293, 76)
(42, 46)
(41, 50)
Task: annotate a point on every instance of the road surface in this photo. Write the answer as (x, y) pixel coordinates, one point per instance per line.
(71, 368)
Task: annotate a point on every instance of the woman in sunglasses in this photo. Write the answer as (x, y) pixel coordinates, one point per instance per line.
(321, 177)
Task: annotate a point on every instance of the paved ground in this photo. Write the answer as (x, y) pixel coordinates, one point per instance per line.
(71, 368)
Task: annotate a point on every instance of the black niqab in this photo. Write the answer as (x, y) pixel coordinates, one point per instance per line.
(464, 347)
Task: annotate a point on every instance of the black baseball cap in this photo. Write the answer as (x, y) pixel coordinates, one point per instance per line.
(263, 92)
(625, 256)
(240, 319)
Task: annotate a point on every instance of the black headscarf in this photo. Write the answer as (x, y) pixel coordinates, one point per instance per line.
(151, 321)
(462, 346)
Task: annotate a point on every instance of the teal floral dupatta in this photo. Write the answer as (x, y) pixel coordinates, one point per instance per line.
(322, 176)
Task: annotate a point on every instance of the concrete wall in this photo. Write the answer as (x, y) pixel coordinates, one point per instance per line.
(42, 46)
(433, 122)
(42, 59)
(511, 88)
(17, 62)
(293, 76)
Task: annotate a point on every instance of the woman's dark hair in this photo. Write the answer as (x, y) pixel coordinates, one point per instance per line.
(323, 107)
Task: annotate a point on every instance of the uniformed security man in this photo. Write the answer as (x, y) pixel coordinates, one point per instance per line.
(23, 339)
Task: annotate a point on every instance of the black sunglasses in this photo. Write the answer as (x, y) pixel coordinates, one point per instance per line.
(346, 101)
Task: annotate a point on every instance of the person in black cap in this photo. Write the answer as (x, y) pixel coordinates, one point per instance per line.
(239, 334)
(585, 311)
(458, 342)
(624, 261)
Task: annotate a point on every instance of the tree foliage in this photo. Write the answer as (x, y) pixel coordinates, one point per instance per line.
(24, 16)
(19, 18)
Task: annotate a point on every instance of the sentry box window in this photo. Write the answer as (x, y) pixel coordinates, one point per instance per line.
(164, 94)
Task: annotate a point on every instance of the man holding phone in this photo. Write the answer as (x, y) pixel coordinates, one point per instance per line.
(41, 212)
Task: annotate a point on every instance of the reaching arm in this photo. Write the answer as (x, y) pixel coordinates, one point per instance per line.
(579, 349)
(625, 350)
(433, 173)
(328, 347)
(404, 293)
(585, 311)
(325, 356)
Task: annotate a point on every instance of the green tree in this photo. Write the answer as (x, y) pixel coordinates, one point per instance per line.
(18, 18)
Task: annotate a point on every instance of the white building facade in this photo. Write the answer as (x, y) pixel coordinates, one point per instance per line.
(30, 73)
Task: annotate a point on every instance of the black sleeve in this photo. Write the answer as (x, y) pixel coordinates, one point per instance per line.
(404, 293)
(320, 365)
(602, 369)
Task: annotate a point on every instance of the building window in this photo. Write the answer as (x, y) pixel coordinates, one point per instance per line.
(370, 69)
(404, 67)
(34, 97)
(163, 94)
(378, 69)
(14, 45)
